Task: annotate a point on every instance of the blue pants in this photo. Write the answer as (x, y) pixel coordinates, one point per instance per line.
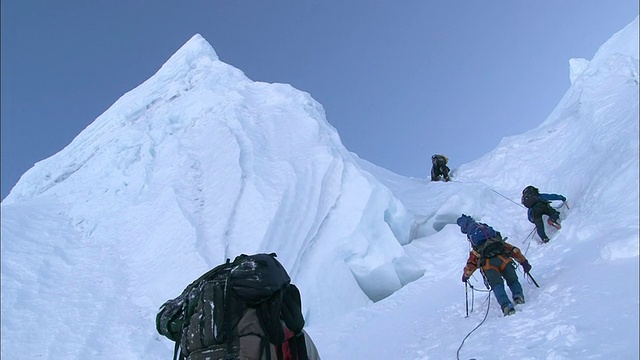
(497, 268)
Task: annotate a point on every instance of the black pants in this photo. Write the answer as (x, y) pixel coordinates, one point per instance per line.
(438, 170)
(539, 209)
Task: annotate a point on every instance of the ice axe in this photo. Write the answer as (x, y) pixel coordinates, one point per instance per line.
(532, 279)
(466, 297)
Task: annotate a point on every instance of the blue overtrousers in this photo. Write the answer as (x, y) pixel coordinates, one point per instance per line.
(500, 267)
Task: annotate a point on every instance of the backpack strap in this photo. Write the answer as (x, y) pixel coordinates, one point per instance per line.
(293, 348)
(177, 354)
(294, 321)
(177, 350)
(226, 320)
(487, 230)
(292, 309)
(269, 315)
(298, 347)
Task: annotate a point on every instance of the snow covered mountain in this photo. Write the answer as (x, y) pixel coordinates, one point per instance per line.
(200, 163)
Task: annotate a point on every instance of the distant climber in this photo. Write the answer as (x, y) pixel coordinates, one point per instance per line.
(539, 204)
(439, 167)
(495, 258)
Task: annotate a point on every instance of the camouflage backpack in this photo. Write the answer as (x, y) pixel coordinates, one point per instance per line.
(236, 311)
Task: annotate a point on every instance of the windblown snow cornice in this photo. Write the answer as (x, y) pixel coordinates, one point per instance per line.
(622, 46)
(586, 123)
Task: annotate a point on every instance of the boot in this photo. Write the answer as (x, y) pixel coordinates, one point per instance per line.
(508, 309)
(554, 223)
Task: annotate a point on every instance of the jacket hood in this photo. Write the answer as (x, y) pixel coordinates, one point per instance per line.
(464, 222)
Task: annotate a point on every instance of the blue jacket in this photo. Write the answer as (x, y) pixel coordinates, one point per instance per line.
(546, 198)
(477, 233)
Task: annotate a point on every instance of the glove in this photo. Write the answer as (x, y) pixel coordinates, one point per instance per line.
(526, 266)
(464, 278)
(563, 198)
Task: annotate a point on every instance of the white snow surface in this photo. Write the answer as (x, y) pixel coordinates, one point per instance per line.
(200, 163)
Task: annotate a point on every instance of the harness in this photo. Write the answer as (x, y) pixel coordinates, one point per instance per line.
(487, 264)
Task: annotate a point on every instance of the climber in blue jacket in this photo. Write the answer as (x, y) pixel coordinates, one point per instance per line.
(539, 204)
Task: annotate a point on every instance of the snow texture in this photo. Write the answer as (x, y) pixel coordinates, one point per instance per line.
(200, 163)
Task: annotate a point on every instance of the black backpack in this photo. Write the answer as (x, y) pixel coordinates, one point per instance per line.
(440, 160)
(530, 196)
(493, 246)
(208, 320)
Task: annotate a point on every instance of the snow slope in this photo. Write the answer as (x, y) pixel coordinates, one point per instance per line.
(200, 163)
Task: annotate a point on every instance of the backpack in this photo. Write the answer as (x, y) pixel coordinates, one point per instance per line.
(237, 310)
(440, 160)
(485, 240)
(492, 247)
(530, 197)
(478, 233)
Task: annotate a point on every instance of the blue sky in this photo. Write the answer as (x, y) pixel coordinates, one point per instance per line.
(140, 204)
(398, 81)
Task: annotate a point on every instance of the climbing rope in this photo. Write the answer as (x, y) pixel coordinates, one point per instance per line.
(529, 237)
(488, 300)
(508, 198)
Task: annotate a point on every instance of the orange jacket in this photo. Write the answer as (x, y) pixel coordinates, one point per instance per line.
(474, 258)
